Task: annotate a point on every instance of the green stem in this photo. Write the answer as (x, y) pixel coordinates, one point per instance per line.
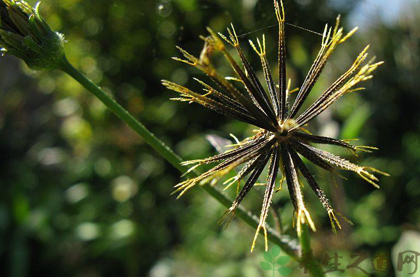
(122, 113)
(306, 253)
(169, 155)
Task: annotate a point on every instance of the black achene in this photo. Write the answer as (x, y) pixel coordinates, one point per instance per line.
(280, 140)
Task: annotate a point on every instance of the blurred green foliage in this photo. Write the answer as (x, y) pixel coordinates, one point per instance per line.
(83, 195)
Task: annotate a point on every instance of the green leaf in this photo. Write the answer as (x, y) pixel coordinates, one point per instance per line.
(284, 271)
(28, 41)
(265, 266)
(354, 124)
(283, 260)
(275, 251)
(268, 257)
(187, 5)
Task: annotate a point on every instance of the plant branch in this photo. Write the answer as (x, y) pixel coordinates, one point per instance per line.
(306, 253)
(283, 241)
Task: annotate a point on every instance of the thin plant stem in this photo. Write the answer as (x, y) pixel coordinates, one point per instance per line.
(283, 241)
(123, 114)
(307, 255)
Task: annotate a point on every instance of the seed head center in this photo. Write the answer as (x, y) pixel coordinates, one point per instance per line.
(284, 128)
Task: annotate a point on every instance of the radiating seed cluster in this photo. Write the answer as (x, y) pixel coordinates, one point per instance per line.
(281, 140)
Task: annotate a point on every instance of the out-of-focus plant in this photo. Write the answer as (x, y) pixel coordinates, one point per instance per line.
(26, 35)
(281, 138)
(27, 46)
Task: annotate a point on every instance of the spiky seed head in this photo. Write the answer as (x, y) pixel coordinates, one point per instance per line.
(281, 139)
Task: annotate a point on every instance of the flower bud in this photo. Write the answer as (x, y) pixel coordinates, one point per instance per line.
(26, 35)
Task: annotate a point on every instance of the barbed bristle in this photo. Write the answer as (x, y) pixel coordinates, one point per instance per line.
(281, 138)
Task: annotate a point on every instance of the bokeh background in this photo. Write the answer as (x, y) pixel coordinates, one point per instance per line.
(83, 195)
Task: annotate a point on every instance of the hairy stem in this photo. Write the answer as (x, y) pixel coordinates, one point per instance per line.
(307, 255)
(283, 241)
(122, 113)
